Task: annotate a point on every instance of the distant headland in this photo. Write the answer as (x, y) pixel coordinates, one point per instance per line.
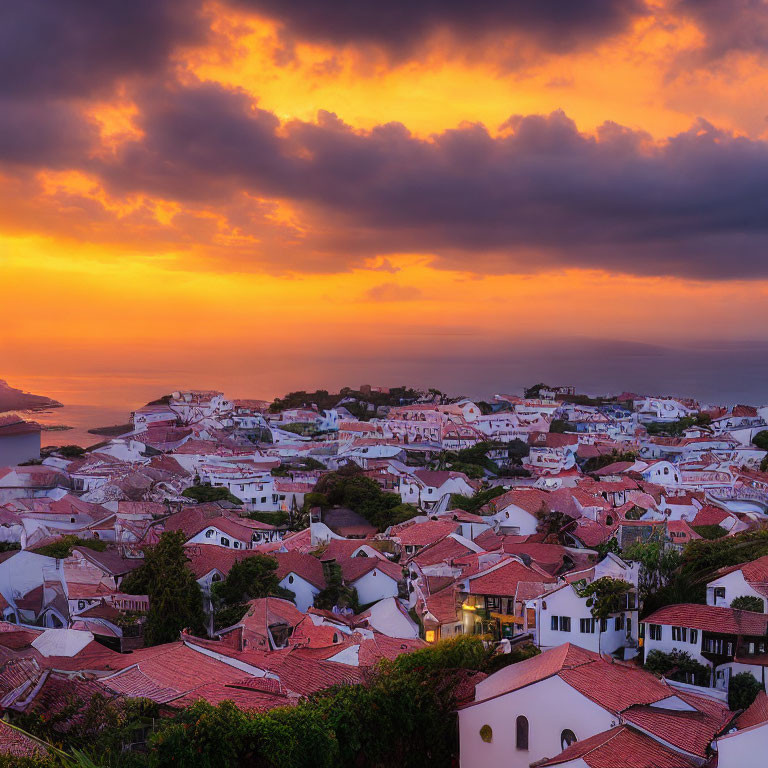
(12, 399)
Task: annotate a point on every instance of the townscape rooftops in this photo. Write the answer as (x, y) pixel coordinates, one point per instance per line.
(710, 618)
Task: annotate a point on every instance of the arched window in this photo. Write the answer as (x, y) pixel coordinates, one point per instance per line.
(521, 741)
(290, 578)
(209, 533)
(567, 737)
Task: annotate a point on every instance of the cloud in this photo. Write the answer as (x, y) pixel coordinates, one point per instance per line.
(400, 26)
(80, 48)
(394, 292)
(540, 195)
(728, 25)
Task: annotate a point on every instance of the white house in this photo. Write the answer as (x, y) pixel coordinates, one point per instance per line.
(426, 488)
(373, 578)
(745, 580)
(536, 708)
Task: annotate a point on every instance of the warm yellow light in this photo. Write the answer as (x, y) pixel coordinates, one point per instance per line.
(468, 607)
(430, 635)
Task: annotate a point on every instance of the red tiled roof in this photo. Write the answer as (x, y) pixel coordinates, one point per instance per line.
(710, 515)
(690, 731)
(529, 499)
(422, 534)
(503, 580)
(709, 618)
(307, 567)
(17, 744)
(756, 713)
(444, 551)
(356, 567)
(621, 747)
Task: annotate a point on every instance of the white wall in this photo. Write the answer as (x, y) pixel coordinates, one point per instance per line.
(215, 538)
(304, 591)
(550, 706)
(375, 585)
(744, 749)
(735, 586)
(15, 449)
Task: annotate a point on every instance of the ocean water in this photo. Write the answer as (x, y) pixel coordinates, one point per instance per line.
(715, 373)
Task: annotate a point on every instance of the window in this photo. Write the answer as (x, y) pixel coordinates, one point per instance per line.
(565, 623)
(618, 623)
(209, 533)
(586, 626)
(694, 635)
(224, 541)
(720, 593)
(521, 728)
(567, 737)
(654, 631)
(290, 578)
(680, 634)
(603, 625)
(554, 623)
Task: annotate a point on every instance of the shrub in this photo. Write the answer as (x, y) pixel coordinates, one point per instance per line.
(742, 690)
(748, 603)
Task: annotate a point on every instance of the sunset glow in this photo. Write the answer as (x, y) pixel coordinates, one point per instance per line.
(244, 178)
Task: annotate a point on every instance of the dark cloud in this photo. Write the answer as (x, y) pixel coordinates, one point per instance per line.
(80, 48)
(539, 195)
(400, 25)
(728, 25)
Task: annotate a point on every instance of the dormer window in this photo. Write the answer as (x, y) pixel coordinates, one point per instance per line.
(209, 533)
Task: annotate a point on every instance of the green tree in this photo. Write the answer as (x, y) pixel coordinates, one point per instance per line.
(748, 603)
(742, 690)
(658, 567)
(175, 599)
(336, 593)
(710, 531)
(761, 440)
(605, 597)
(62, 548)
(477, 501)
(677, 665)
(560, 426)
(208, 493)
(553, 524)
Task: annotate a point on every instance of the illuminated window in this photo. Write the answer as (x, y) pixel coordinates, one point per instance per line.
(429, 635)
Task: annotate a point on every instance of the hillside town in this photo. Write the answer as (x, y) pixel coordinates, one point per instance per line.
(582, 579)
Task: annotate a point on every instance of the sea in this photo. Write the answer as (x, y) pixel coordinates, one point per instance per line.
(722, 373)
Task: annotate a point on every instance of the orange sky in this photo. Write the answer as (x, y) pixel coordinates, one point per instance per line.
(95, 264)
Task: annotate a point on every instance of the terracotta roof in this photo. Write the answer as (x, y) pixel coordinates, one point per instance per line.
(502, 579)
(621, 747)
(444, 551)
(756, 713)
(529, 499)
(307, 567)
(710, 515)
(356, 567)
(690, 731)
(422, 534)
(17, 744)
(709, 618)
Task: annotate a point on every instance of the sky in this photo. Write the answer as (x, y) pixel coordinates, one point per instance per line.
(268, 195)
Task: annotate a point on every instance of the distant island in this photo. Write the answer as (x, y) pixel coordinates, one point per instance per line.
(12, 399)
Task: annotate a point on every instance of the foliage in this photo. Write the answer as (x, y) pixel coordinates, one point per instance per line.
(70, 451)
(248, 579)
(658, 566)
(518, 653)
(298, 428)
(710, 531)
(748, 603)
(208, 493)
(315, 499)
(325, 400)
(93, 729)
(677, 665)
(609, 545)
(279, 472)
(742, 690)
(598, 462)
(517, 450)
(761, 440)
(9, 546)
(270, 518)
(676, 428)
(404, 716)
(349, 487)
(560, 426)
(552, 524)
(475, 503)
(477, 455)
(62, 548)
(606, 596)
(336, 593)
(175, 599)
